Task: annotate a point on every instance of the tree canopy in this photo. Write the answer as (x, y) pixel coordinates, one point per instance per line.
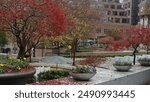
(134, 36)
(29, 20)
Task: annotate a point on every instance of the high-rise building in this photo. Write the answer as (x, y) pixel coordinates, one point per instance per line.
(113, 16)
(118, 14)
(144, 12)
(113, 11)
(131, 10)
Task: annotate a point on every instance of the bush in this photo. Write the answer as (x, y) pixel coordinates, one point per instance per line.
(1, 70)
(83, 49)
(52, 74)
(92, 61)
(32, 80)
(3, 58)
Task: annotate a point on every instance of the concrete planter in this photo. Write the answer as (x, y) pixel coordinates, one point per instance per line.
(82, 76)
(122, 68)
(144, 63)
(19, 78)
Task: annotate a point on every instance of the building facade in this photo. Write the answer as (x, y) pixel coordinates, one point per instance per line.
(144, 12)
(113, 11)
(113, 16)
(131, 9)
(117, 14)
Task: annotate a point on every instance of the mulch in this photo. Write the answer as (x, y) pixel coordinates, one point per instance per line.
(61, 81)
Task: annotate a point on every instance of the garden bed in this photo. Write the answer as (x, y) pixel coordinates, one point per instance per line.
(61, 81)
(108, 75)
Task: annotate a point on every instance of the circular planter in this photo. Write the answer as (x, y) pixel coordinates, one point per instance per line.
(122, 68)
(19, 78)
(144, 63)
(82, 76)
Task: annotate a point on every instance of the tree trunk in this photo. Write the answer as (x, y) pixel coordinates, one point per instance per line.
(30, 56)
(21, 53)
(42, 51)
(134, 52)
(74, 49)
(147, 48)
(58, 49)
(134, 57)
(33, 51)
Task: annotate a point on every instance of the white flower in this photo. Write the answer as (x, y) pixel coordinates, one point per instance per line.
(127, 59)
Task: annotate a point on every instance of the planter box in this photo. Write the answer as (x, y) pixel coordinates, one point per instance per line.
(122, 68)
(19, 78)
(82, 76)
(142, 63)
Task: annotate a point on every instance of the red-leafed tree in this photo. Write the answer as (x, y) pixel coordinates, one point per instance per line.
(30, 20)
(133, 37)
(146, 37)
(106, 40)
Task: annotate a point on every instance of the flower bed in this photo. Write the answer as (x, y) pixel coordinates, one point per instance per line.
(13, 65)
(15, 71)
(122, 64)
(144, 60)
(83, 72)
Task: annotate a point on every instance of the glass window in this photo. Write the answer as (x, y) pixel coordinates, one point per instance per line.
(117, 20)
(121, 13)
(98, 30)
(129, 5)
(117, 1)
(113, 6)
(115, 13)
(126, 20)
(128, 12)
(119, 7)
(106, 6)
(108, 12)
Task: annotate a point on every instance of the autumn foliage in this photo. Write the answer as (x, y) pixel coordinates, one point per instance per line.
(92, 61)
(29, 20)
(132, 38)
(106, 40)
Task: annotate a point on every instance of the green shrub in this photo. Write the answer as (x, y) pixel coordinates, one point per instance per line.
(3, 58)
(83, 49)
(1, 70)
(52, 74)
(32, 80)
